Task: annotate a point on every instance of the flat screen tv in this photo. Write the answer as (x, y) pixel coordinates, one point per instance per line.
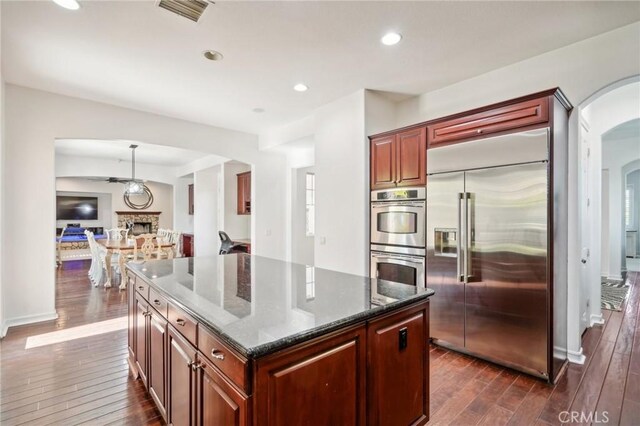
(76, 208)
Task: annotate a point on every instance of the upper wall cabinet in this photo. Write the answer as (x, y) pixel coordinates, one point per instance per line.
(488, 122)
(244, 193)
(399, 159)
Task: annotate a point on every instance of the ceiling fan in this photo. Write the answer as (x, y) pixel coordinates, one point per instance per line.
(132, 186)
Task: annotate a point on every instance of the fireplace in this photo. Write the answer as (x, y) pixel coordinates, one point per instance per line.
(140, 228)
(142, 222)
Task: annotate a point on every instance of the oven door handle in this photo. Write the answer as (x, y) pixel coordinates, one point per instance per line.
(399, 259)
(417, 204)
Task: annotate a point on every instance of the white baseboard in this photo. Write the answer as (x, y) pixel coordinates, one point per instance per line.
(29, 319)
(615, 277)
(596, 319)
(576, 357)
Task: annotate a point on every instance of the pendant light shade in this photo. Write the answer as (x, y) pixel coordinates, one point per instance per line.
(133, 186)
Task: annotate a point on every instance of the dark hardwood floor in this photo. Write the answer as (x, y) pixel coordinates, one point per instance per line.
(87, 380)
(467, 391)
(81, 381)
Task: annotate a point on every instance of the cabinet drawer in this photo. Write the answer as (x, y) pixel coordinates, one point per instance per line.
(495, 120)
(158, 302)
(184, 323)
(142, 288)
(232, 365)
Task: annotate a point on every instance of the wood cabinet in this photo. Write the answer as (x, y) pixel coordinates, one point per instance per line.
(191, 198)
(399, 383)
(218, 401)
(157, 375)
(374, 372)
(187, 245)
(399, 159)
(141, 354)
(181, 358)
(492, 120)
(328, 377)
(244, 193)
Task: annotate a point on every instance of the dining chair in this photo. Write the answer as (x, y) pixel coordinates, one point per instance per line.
(97, 269)
(116, 234)
(148, 248)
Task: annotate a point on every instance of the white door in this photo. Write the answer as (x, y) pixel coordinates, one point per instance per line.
(586, 218)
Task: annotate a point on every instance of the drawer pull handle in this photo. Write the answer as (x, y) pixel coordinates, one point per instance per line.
(146, 314)
(195, 366)
(217, 354)
(181, 322)
(140, 287)
(479, 131)
(157, 302)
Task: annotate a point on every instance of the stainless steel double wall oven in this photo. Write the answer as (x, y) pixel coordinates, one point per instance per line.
(398, 236)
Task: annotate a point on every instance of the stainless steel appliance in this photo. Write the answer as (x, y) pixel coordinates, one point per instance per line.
(398, 217)
(488, 252)
(400, 264)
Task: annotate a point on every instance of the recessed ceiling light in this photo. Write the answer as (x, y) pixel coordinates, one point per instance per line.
(68, 4)
(258, 110)
(390, 39)
(300, 87)
(212, 55)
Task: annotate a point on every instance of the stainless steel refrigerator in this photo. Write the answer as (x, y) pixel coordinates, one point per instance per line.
(488, 249)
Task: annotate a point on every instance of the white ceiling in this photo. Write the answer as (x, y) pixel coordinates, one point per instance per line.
(137, 55)
(119, 150)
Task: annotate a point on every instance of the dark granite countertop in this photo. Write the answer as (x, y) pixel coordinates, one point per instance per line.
(260, 305)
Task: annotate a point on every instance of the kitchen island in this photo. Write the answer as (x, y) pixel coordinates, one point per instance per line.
(241, 340)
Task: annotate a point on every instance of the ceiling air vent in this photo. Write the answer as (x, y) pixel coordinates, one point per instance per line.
(190, 9)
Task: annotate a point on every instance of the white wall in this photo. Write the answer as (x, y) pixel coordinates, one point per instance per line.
(206, 211)
(604, 254)
(34, 119)
(2, 327)
(341, 185)
(616, 154)
(162, 200)
(302, 246)
(182, 220)
(235, 225)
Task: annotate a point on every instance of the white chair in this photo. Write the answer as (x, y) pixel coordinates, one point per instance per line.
(116, 234)
(148, 248)
(96, 271)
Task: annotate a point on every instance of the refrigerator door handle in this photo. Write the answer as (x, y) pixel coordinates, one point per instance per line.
(459, 256)
(468, 237)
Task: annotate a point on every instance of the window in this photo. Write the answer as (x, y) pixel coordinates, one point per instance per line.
(628, 207)
(311, 282)
(311, 204)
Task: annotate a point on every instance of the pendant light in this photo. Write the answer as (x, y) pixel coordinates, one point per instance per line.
(133, 187)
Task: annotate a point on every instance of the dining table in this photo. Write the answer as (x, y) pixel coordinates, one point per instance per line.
(124, 247)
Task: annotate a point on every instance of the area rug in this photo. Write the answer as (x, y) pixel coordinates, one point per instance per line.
(613, 294)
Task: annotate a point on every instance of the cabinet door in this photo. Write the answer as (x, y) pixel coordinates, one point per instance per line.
(398, 374)
(492, 121)
(142, 311)
(218, 402)
(411, 157)
(321, 383)
(244, 193)
(131, 301)
(157, 356)
(181, 396)
(383, 162)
